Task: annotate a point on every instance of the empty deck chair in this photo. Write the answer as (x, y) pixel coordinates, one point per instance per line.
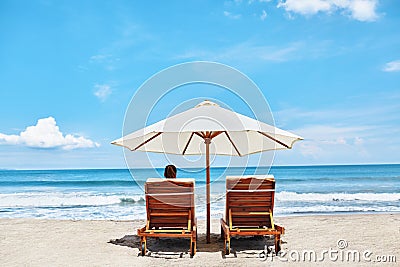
(249, 209)
(170, 211)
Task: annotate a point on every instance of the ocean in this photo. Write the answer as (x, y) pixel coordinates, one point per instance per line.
(118, 194)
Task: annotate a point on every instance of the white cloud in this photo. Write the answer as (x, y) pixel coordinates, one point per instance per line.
(103, 91)
(331, 134)
(361, 10)
(392, 66)
(328, 141)
(231, 15)
(358, 141)
(247, 52)
(360, 130)
(46, 134)
(107, 61)
(100, 58)
(263, 15)
(310, 149)
(305, 7)
(380, 110)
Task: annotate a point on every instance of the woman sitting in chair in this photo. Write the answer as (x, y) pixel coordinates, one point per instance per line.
(170, 171)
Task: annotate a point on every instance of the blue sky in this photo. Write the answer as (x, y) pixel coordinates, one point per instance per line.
(330, 71)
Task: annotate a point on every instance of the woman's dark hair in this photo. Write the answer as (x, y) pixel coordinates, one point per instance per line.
(170, 171)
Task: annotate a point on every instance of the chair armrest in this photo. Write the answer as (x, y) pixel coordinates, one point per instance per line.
(194, 229)
(224, 226)
(141, 230)
(280, 228)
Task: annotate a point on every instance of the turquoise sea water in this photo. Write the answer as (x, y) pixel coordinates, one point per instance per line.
(118, 194)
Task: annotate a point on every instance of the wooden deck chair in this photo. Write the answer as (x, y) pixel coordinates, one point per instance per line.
(249, 209)
(170, 211)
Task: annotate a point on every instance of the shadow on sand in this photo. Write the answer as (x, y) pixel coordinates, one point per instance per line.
(172, 248)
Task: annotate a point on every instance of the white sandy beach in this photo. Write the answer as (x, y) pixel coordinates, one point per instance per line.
(35, 242)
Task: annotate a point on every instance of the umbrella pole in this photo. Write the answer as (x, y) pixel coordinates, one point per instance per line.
(208, 141)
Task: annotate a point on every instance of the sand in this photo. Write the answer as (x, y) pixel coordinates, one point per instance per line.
(36, 242)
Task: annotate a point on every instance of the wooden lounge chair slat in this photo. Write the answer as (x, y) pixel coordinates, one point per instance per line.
(160, 220)
(247, 213)
(169, 234)
(246, 190)
(243, 229)
(166, 231)
(251, 204)
(252, 199)
(169, 214)
(244, 194)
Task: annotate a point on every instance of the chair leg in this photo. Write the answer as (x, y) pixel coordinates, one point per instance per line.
(227, 245)
(192, 246)
(143, 246)
(277, 243)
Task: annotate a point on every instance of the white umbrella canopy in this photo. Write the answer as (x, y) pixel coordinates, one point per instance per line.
(231, 134)
(223, 132)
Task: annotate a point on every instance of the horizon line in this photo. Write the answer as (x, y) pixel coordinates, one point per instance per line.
(299, 165)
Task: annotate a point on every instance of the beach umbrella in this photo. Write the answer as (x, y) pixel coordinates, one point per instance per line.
(208, 129)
